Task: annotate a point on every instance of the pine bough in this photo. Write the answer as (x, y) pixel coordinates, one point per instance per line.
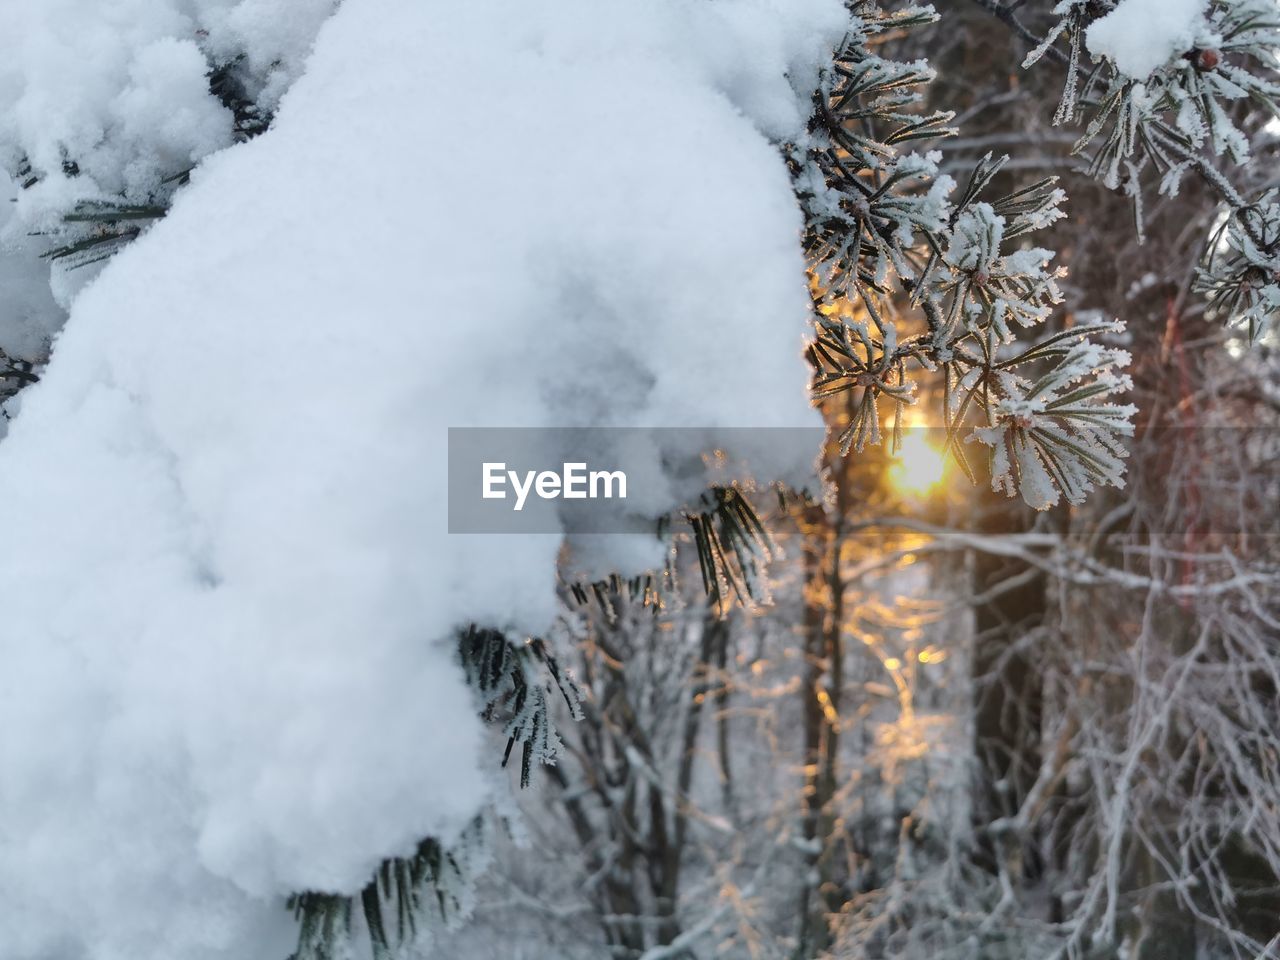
(1186, 115)
(907, 279)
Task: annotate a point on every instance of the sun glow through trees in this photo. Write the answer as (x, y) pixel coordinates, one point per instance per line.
(917, 467)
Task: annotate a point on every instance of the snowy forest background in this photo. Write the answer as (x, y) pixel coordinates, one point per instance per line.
(997, 677)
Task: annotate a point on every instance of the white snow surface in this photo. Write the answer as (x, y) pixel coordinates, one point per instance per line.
(29, 316)
(228, 589)
(119, 88)
(1142, 35)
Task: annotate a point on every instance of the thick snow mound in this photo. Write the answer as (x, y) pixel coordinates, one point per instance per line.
(229, 591)
(29, 317)
(1141, 36)
(107, 100)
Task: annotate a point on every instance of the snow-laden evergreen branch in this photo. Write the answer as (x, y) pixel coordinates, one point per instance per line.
(972, 290)
(1170, 93)
(513, 681)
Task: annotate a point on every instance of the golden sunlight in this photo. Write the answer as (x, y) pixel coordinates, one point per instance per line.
(918, 465)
